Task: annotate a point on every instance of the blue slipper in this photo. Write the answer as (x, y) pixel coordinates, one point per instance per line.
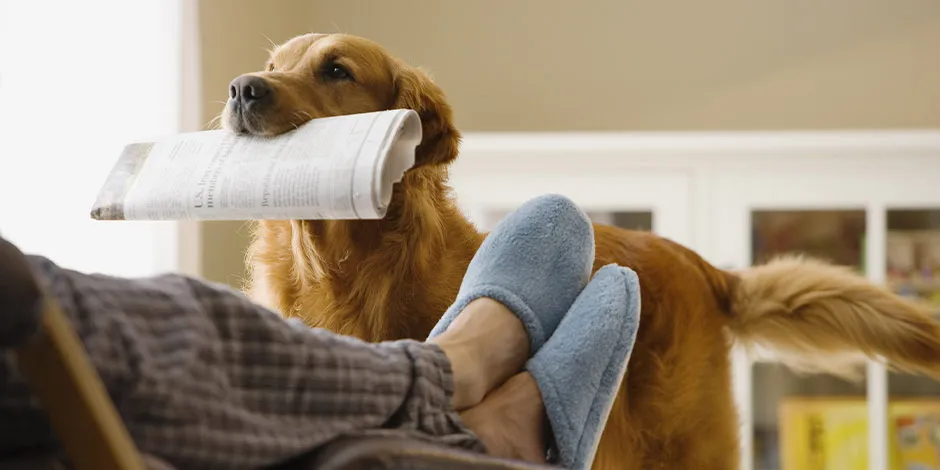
(535, 262)
(582, 365)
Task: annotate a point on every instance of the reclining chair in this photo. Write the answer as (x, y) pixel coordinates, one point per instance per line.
(86, 422)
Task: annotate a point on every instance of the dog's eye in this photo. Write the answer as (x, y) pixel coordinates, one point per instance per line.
(271, 67)
(335, 71)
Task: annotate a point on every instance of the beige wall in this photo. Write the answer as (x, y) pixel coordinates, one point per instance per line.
(233, 40)
(615, 64)
(644, 65)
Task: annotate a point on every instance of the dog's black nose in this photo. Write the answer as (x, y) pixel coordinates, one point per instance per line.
(250, 89)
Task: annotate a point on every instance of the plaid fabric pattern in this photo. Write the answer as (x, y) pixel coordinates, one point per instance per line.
(206, 379)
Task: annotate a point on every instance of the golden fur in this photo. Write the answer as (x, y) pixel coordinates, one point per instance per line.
(392, 278)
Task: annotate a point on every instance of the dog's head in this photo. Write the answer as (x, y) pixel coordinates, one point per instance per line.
(323, 75)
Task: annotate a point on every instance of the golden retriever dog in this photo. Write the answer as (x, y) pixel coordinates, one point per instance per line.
(393, 278)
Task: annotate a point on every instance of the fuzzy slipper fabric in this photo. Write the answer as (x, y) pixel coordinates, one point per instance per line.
(535, 262)
(582, 365)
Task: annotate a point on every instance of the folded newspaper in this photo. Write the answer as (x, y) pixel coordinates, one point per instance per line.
(340, 167)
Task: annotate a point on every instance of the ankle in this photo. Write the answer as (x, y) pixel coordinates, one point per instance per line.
(486, 345)
(511, 421)
(470, 382)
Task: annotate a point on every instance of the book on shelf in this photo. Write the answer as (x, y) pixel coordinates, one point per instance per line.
(913, 265)
(831, 433)
(341, 167)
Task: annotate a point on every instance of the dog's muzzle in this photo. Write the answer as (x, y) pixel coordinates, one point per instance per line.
(249, 97)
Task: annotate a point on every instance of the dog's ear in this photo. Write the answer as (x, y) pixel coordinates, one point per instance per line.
(440, 138)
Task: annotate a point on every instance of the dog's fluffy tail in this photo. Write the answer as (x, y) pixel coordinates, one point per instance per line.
(813, 313)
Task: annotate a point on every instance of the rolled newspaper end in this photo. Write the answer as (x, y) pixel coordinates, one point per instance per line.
(110, 202)
(341, 167)
(21, 298)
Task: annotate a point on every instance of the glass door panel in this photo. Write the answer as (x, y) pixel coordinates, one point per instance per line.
(913, 254)
(837, 236)
(803, 421)
(633, 220)
(912, 264)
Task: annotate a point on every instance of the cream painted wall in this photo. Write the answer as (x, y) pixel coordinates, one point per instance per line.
(233, 40)
(642, 65)
(613, 64)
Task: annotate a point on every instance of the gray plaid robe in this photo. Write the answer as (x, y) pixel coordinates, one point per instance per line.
(206, 379)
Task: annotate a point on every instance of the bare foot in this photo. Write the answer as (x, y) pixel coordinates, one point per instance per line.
(511, 420)
(486, 344)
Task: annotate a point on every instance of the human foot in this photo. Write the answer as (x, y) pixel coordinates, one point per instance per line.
(535, 262)
(511, 421)
(486, 344)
